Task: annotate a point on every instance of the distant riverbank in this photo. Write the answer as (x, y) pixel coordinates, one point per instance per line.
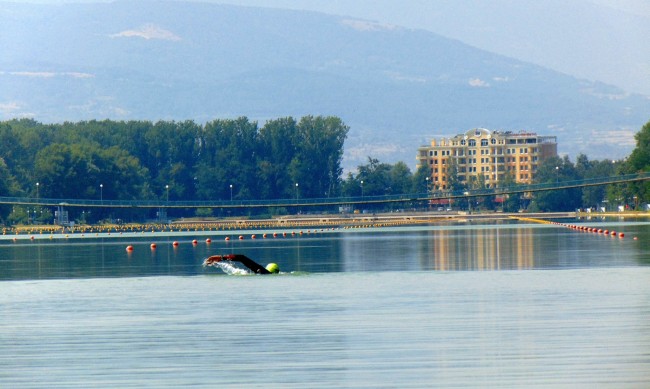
(297, 224)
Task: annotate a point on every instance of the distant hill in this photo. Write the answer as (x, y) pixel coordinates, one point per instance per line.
(397, 88)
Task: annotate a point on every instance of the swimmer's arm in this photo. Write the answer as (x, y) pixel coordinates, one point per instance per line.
(244, 260)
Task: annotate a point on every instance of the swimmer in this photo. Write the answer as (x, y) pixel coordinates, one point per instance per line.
(255, 267)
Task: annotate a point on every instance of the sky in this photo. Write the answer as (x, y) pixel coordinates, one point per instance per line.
(597, 40)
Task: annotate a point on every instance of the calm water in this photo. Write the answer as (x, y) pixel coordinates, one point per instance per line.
(387, 308)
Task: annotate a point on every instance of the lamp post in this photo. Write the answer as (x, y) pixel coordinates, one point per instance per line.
(296, 191)
(557, 174)
(101, 192)
(37, 185)
(362, 189)
(167, 187)
(230, 192)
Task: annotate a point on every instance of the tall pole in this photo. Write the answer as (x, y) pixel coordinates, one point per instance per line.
(296, 191)
(167, 187)
(101, 192)
(37, 185)
(362, 189)
(230, 192)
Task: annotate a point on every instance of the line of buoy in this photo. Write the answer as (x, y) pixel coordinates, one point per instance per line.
(594, 230)
(576, 227)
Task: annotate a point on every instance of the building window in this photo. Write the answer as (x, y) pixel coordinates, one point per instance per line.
(472, 143)
(484, 142)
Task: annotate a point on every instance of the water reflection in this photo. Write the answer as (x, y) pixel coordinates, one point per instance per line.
(486, 249)
(491, 247)
(424, 248)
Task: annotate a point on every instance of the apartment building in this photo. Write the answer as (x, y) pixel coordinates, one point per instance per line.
(492, 155)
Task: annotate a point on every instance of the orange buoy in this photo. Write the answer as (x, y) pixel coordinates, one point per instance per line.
(153, 246)
(241, 237)
(208, 241)
(253, 236)
(275, 234)
(613, 233)
(621, 235)
(129, 248)
(195, 242)
(227, 238)
(264, 236)
(175, 244)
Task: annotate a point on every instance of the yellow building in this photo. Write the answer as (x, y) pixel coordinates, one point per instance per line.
(492, 155)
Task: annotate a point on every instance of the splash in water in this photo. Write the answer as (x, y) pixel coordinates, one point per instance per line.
(229, 268)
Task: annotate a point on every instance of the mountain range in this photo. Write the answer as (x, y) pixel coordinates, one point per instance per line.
(397, 88)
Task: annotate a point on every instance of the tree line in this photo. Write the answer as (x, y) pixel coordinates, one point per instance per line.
(236, 159)
(133, 160)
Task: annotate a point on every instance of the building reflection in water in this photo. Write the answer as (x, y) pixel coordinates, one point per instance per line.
(453, 247)
(483, 248)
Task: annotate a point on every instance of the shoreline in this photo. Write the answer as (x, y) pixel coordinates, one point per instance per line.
(286, 225)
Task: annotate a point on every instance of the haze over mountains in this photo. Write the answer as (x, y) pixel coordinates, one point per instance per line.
(396, 88)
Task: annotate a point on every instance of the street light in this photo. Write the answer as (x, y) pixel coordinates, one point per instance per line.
(296, 191)
(37, 185)
(362, 189)
(101, 192)
(557, 174)
(167, 187)
(231, 192)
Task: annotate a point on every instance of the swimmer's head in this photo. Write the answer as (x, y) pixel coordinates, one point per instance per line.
(273, 268)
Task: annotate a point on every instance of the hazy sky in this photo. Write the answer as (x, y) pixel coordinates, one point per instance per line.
(601, 40)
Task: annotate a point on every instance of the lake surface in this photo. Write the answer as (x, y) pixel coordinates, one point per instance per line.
(460, 305)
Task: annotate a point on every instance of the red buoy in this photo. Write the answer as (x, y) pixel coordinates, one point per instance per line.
(195, 242)
(227, 238)
(129, 248)
(175, 244)
(208, 241)
(153, 246)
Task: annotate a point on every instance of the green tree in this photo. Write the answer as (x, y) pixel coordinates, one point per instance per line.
(401, 178)
(278, 145)
(317, 163)
(419, 181)
(639, 161)
(552, 171)
(227, 156)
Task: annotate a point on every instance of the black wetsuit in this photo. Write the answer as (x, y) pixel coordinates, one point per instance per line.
(249, 263)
